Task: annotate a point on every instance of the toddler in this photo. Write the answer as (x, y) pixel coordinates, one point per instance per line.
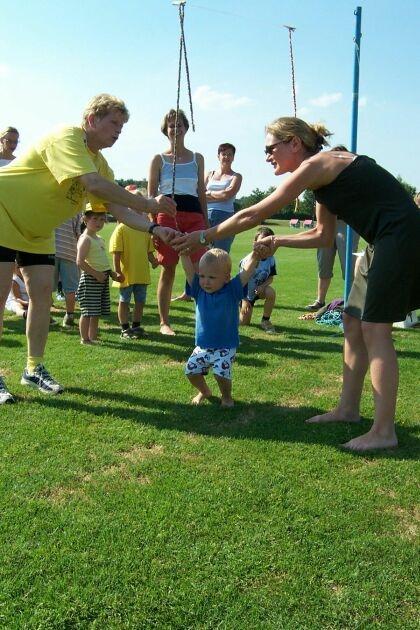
(217, 299)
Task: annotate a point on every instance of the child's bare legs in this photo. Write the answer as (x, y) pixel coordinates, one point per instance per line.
(123, 312)
(164, 291)
(384, 375)
(355, 365)
(84, 329)
(138, 311)
(93, 328)
(199, 382)
(225, 386)
(245, 314)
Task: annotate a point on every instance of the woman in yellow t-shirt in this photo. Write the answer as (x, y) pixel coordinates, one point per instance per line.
(43, 188)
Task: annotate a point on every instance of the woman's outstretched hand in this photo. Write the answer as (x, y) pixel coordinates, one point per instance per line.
(186, 243)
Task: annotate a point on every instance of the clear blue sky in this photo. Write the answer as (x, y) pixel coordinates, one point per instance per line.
(56, 55)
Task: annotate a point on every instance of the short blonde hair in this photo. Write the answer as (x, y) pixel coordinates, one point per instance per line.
(216, 256)
(314, 136)
(102, 104)
(171, 115)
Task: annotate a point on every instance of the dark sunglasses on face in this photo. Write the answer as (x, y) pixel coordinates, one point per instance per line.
(270, 148)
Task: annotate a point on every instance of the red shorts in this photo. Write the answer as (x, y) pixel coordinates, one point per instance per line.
(185, 222)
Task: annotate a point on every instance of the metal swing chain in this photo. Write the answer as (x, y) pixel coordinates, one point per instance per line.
(291, 29)
(182, 49)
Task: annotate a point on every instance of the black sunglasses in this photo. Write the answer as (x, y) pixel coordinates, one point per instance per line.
(270, 148)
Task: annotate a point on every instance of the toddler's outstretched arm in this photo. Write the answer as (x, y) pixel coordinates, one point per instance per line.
(249, 267)
(188, 268)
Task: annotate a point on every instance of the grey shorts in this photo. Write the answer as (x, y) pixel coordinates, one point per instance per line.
(326, 255)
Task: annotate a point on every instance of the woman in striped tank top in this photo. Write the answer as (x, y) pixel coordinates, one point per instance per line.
(222, 187)
(190, 197)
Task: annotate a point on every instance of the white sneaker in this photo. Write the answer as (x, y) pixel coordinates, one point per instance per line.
(41, 379)
(5, 396)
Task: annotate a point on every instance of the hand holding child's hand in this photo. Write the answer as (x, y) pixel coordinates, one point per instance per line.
(265, 247)
(119, 277)
(101, 277)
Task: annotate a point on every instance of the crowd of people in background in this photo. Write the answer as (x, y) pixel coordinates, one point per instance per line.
(69, 186)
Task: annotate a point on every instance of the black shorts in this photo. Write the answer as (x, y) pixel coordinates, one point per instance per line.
(25, 259)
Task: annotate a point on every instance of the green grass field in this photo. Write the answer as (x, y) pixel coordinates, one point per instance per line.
(122, 506)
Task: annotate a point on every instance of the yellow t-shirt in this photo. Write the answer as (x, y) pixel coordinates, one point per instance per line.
(40, 190)
(134, 247)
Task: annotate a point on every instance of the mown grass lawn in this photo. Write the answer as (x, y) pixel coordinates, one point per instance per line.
(122, 506)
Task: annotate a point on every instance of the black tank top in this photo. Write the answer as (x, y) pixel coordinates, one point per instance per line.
(370, 200)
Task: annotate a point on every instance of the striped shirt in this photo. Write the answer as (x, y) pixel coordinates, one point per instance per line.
(66, 236)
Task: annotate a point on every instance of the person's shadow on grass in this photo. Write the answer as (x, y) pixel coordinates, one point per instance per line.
(247, 420)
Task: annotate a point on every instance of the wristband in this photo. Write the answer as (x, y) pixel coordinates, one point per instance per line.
(151, 227)
(202, 238)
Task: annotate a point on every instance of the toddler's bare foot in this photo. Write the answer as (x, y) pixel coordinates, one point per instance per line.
(227, 403)
(333, 416)
(372, 440)
(197, 400)
(165, 329)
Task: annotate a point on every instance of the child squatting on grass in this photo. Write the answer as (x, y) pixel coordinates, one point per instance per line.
(217, 299)
(258, 287)
(93, 289)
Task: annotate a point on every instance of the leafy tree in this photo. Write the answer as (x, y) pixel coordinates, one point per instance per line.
(307, 204)
(409, 188)
(140, 183)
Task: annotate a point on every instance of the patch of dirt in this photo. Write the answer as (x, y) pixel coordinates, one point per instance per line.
(121, 470)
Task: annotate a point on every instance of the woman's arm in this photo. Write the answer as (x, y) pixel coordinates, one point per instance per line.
(112, 193)
(322, 235)
(307, 175)
(227, 193)
(154, 176)
(140, 222)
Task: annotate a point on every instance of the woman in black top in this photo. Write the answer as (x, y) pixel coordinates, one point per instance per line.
(378, 208)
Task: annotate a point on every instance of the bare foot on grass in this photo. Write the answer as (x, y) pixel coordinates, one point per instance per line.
(165, 329)
(200, 398)
(371, 441)
(333, 416)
